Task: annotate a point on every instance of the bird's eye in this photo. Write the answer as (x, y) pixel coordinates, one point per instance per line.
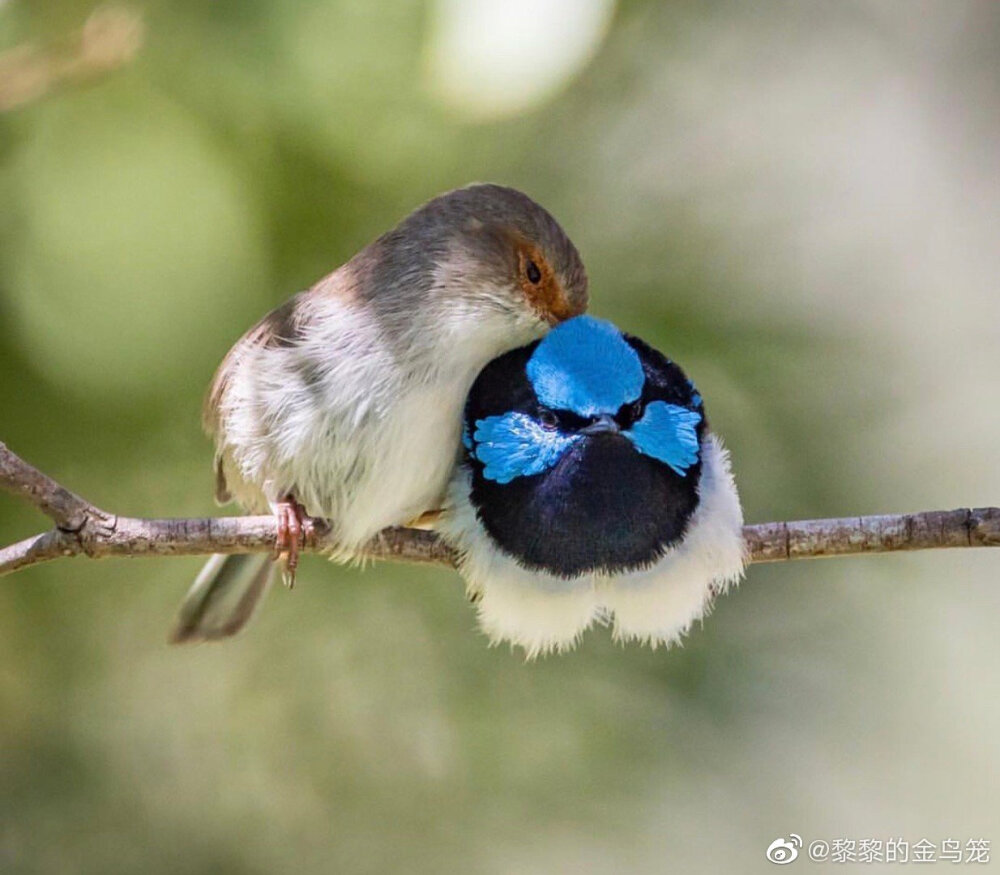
(533, 273)
(548, 419)
(635, 410)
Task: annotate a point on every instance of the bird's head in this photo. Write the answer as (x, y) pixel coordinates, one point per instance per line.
(486, 261)
(585, 450)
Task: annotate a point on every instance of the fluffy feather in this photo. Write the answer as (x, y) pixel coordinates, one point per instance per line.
(542, 613)
(658, 606)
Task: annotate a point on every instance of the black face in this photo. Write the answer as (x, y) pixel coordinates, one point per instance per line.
(604, 505)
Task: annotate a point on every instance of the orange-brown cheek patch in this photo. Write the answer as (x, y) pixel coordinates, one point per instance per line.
(547, 297)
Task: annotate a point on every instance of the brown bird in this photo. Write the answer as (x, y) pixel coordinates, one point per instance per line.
(345, 403)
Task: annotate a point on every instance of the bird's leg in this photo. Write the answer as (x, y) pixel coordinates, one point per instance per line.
(296, 529)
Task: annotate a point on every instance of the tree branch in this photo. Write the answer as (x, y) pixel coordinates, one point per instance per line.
(82, 528)
(109, 39)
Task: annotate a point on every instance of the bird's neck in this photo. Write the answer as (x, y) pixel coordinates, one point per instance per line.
(460, 344)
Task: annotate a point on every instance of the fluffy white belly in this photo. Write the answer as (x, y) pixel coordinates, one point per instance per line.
(541, 613)
(365, 466)
(407, 464)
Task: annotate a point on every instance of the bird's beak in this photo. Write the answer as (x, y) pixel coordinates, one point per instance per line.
(604, 424)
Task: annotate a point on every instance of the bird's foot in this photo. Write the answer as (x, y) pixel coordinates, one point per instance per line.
(296, 529)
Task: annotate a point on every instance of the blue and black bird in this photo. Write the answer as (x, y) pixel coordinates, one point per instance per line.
(591, 490)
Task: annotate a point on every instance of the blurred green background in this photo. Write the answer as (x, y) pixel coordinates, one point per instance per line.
(798, 201)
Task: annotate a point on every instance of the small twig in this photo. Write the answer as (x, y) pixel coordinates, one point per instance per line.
(109, 39)
(82, 528)
(66, 509)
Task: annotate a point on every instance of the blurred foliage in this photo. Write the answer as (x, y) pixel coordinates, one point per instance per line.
(795, 201)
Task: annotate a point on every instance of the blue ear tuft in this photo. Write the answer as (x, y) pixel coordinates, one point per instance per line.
(669, 433)
(514, 445)
(584, 365)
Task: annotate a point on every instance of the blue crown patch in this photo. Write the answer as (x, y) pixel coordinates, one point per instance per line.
(585, 366)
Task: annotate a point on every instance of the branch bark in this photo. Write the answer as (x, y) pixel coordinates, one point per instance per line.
(81, 528)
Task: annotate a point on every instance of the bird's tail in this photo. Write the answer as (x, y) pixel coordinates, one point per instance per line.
(223, 597)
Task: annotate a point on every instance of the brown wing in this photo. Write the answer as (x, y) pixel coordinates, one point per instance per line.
(281, 327)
